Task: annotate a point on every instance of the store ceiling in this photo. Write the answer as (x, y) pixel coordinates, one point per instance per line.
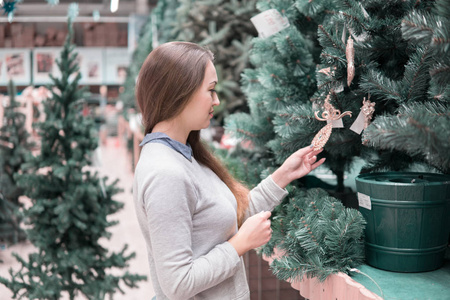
(86, 7)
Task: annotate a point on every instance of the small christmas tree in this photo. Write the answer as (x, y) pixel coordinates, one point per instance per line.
(15, 147)
(70, 204)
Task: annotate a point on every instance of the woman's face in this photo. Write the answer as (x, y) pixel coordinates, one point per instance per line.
(199, 111)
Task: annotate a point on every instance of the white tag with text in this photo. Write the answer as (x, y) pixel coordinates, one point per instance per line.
(269, 22)
(336, 123)
(358, 125)
(364, 201)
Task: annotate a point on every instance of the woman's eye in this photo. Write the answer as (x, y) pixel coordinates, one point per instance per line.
(213, 91)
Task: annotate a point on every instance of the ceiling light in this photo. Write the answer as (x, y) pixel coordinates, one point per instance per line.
(114, 5)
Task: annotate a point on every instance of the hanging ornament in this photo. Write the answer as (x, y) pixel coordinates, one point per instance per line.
(322, 136)
(326, 71)
(329, 114)
(53, 2)
(364, 117)
(350, 55)
(367, 109)
(6, 144)
(9, 6)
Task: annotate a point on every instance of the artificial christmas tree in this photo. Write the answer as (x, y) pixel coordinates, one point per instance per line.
(70, 203)
(310, 228)
(400, 67)
(278, 89)
(411, 87)
(385, 60)
(15, 147)
(418, 122)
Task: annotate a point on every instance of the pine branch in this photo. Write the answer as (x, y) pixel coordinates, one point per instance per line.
(321, 237)
(442, 9)
(381, 86)
(416, 78)
(440, 73)
(327, 40)
(418, 27)
(418, 129)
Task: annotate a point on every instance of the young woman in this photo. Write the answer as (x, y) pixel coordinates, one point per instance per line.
(196, 219)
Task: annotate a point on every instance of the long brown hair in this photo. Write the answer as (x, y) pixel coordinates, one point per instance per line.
(168, 78)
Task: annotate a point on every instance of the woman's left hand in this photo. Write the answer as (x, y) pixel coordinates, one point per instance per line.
(299, 164)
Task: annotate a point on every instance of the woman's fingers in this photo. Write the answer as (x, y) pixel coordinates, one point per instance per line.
(315, 152)
(318, 163)
(304, 151)
(265, 214)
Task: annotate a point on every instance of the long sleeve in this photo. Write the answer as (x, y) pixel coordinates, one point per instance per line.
(170, 206)
(265, 196)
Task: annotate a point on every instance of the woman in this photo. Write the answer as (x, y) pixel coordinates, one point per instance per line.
(196, 219)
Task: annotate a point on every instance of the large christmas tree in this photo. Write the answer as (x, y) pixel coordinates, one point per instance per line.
(391, 53)
(71, 204)
(15, 147)
(316, 235)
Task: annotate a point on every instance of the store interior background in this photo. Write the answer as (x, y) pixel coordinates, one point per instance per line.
(105, 41)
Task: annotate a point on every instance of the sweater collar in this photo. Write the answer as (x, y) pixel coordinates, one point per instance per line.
(162, 138)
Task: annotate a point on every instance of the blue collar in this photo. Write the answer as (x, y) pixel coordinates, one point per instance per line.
(162, 138)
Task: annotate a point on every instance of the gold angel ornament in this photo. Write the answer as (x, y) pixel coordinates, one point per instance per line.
(329, 114)
(367, 109)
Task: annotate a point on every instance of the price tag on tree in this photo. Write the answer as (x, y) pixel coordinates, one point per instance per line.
(269, 22)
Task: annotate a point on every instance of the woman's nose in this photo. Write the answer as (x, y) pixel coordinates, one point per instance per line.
(216, 100)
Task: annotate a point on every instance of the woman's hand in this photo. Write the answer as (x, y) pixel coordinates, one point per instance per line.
(299, 164)
(253, 233)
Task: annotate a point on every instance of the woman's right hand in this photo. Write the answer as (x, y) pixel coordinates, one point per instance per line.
(254, 233)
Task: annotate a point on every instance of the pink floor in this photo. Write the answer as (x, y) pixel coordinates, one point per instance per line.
(116, 164)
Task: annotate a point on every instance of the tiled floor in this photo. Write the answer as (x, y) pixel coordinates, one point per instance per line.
(115, 163)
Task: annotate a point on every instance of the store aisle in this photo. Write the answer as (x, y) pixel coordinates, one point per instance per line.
(116, 164)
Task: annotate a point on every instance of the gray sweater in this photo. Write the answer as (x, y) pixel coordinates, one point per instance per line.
(187, 215)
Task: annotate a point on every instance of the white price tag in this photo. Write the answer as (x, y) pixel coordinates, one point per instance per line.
(269, 22)
(336, 123)
(364, 201)
(358, 125)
